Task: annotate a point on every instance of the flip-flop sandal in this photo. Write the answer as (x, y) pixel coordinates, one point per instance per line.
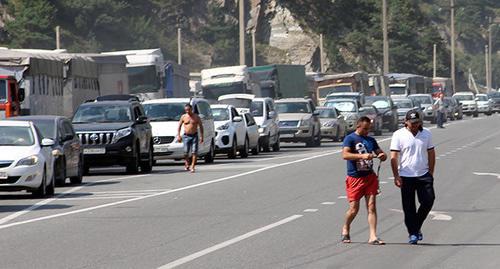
(376, 242)
(346, 239)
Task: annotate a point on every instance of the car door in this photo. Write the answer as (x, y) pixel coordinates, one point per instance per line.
(316, 121)
(240, 128)
(72, 147)
(252, 130)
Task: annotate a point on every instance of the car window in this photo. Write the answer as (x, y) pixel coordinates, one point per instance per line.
(68, 128)
(293, 107)
(16, 136)
(164, 112)
(102, 113)
(203, 108)
(342, 106)
(234, 113)
(46, 127)
(327, 113)
(257, 108)
(220, 114)
(250, 120)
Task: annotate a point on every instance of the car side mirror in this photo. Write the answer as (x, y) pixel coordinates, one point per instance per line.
(22, 94)
(316, 113)
(237, 119)
(142, 119)
(46, 142)
(272, 114)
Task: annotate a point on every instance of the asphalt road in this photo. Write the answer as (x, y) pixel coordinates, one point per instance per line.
(275, 210)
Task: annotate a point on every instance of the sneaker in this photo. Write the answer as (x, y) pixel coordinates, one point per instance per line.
(413, 239)
(420, 236)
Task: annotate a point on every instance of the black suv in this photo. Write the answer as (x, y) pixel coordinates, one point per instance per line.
(115, 131)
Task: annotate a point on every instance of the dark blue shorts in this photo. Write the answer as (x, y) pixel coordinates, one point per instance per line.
(190, 144)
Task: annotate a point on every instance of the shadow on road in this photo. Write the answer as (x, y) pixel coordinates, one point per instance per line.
(16, 208)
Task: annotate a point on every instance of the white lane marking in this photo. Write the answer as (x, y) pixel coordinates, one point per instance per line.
(59, 195)
(232, 166)
(487, 174)
(311, 210)
(435, 215)
(131, 191)
(383, 182)
(390, 178)
(169, 191)
(328, 203)
(342, 197)
(227, 243)
(497, 148)
(437, 158)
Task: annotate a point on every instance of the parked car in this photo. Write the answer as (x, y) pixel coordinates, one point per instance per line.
(115, 131)
(404, 105)
(266, 117)
(26, 160)
(385, 105)
(484, 104)
(454, 108)
(165, 114)
(495, 101)
(252, 133)
(349, 108)
(67, 148)
(426, 102)
(299, 121)
(230, 131)
(376, 117)
(333, 124)
(469, 103)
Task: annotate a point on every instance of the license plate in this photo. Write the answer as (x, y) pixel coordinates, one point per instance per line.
(160, 149)
(94, 151)
(286, 136)
(3, 175)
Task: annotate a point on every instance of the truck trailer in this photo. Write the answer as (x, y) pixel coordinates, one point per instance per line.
(281, 80)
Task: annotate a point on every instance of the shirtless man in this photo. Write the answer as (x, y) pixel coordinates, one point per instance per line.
(191, 123)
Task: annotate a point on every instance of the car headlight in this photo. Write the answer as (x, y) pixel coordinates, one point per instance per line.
(429, 108)
(122, 133)
(28, 161)
(352, 117)
(305, 123)
(225, 126)
(262, 130)
(329, 124)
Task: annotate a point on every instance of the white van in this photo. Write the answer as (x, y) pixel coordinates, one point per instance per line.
(165, 115)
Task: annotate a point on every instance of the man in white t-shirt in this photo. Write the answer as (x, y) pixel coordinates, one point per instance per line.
(413, 159)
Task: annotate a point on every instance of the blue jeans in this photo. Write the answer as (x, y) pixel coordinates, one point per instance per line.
(190, 142)
(440, 118)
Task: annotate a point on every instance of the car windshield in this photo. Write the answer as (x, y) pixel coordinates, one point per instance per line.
(422, 99)
(377, 102)
(16, 136)
(482, 97)
(323, 92)
(342, 88)
(494, 95)
(403, 103)
(237, 102)
(212, 92)
(220, 114)
(464, 97)
(3, 91)
(164, 112)
(102, 113)
(47, 128)
(342, 106)
(327, 113)
(143, 79)
(257, 108)
(397, 90)
(298, 107)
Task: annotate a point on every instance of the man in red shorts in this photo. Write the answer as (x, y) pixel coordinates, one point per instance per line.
(359, 150)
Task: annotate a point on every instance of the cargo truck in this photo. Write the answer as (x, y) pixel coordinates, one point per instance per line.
(341, 83)
(402, 85)
(228, 80)
(281, 80)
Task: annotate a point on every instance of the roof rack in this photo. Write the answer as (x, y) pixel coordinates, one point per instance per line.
(118, 97)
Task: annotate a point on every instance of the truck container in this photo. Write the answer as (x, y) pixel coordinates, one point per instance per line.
(338, 83)
(281, 80)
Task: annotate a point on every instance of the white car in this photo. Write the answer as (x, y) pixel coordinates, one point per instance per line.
(26, 160)
(266, 117)
(231, 132)
(484, 104)
(426, 102)
(252, 133)
(165, 114)
(469, 103)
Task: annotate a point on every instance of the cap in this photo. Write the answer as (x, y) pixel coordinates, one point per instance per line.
(413, 116)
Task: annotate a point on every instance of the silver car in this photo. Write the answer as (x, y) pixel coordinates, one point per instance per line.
(299, 121)
(333, 124)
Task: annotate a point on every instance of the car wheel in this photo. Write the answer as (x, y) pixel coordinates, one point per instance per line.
(265, 144)
(51, 187)
(41, 191)
(147, 166)
(255, 151)
(79, 177)
(277, 145)
(133, 165)
(233, 151)
(476, 114)
(60, 171)
(245, 149)
(209, 158)
(317, 140)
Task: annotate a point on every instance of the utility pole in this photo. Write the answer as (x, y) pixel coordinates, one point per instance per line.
(434, 61)
(487, 62)
(242, 31)
(321, 58)
(58, 37)
(452, 5)
(386, 39)
(254, 51)
(179, 46)
(490, 48)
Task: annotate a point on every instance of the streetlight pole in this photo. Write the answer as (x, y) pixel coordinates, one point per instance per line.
(434, 61)
(242, 31)
(254, 53)
(322, 66)
(490, 48)
(487, 63)
(452, 5)
(385, 37)
(179, 48)
(58, 37)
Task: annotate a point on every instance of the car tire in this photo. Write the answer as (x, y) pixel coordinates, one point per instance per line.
(317, 140)
(134, 164)
(256, 150)
(147, 166)
(61, 172)
(233, 151)
(41, 191)
(475, 115)
(265, 145)
(210, 156)
(244, 151)
(277, 146)
(79, 177)
(51, 187)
